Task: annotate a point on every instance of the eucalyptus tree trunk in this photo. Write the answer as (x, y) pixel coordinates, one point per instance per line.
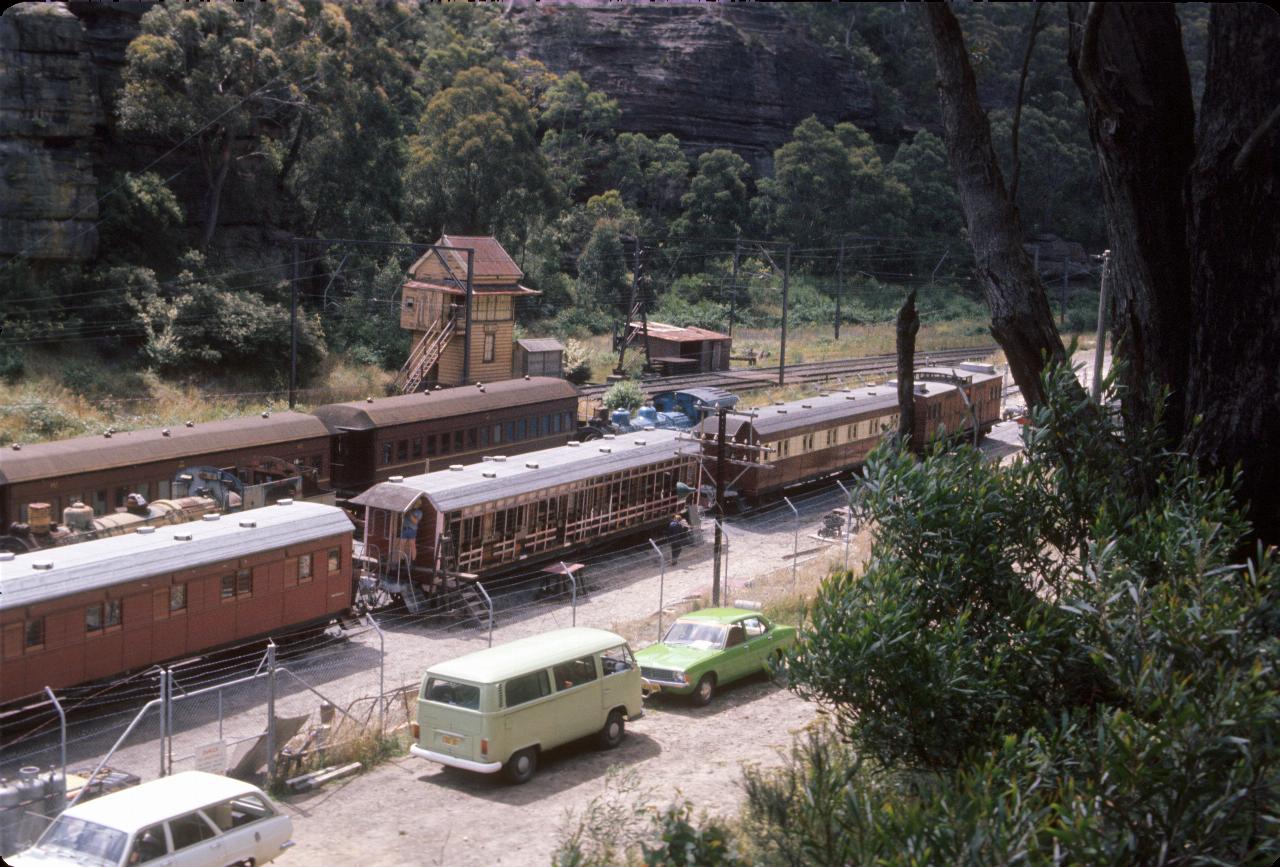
(1128, 62)
(1021, 320)
(1233, 230)
(908, 327)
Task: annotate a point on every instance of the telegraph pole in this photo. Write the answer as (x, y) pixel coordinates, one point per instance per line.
(293, 327)
(786, 285)
(839, 286)
(720, 462)
(1062, 299)
(733, 285)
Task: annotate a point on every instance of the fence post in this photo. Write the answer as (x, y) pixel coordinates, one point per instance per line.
(489, 602)
(848, 527)
(662, 582)
(164, 715)
(271, 710)
(795, 547)
(62, 724)
(169, 716)
(382, 674)
(727, 540)
(573, 586)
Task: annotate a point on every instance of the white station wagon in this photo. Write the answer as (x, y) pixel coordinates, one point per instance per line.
(192, 819)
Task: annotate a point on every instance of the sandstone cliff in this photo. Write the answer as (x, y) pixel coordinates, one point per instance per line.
(725, 75)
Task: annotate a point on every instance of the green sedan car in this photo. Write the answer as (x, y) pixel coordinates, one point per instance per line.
(707, 649)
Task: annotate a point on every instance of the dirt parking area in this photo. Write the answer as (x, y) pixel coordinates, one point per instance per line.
(410, 811)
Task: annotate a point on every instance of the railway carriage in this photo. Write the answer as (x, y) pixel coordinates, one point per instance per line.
(375, 439)
(798, 441)
(101, 471)
(96, 610)
(505, 512)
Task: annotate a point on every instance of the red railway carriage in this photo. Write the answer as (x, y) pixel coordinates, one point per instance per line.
(375, 439)
(96, 610)
(101, 471)
(941, 409)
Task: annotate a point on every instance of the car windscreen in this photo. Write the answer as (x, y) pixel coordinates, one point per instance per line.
(91, 842)
(452, 693)
(688, 633)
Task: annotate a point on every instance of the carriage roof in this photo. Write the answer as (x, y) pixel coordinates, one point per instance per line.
(39, 576)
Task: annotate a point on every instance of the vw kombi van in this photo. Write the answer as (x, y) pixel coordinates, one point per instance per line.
(191, 819)
(498, 709)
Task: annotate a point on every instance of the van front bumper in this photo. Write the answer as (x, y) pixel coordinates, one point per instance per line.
(455, 762)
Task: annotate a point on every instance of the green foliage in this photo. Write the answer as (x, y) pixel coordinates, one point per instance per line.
(921, 166)
(717, 204)
(828, 183)
(681, 843)
(577, 362)
(604, 283)
(652, 176)
(579, 124)
(475, 163)
(200, 325)
(141, 221)
(625, 394)
(13, 362)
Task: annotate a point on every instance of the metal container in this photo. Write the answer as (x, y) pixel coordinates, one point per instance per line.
(78, 516)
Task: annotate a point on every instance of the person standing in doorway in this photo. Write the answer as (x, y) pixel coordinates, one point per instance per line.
(409, 533)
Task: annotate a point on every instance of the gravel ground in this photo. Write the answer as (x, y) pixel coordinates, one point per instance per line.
(410, 811)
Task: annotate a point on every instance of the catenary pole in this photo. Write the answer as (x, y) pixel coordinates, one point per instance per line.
(786, 286)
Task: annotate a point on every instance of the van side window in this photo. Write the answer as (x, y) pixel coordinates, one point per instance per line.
(149, 845)
(575, 673)
(617, 660)
(189, 830)
(456, 694)
(527, 687)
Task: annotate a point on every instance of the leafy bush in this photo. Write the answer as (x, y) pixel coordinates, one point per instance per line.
(577, 362)
(12, 363)
(625, 394)
(681, 843)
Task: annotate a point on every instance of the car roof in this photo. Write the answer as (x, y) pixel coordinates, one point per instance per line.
(719, 615)
(158, 800)
(496, 664)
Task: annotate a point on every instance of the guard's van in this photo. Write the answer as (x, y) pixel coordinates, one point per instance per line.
(191, 819)
(497, 709)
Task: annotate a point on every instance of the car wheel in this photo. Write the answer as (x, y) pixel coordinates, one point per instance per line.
(615, 728)
(705, 690)
(521, 767)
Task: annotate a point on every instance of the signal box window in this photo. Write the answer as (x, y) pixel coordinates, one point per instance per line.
(490, 342)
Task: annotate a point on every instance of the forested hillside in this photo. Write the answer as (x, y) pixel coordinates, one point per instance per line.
(585, 139)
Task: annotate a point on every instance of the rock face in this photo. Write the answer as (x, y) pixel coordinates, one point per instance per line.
(724, 75)
(48, 114)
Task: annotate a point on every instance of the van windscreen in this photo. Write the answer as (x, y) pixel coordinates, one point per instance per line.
(453, 693)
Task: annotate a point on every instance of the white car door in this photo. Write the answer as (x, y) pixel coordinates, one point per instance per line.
(195, 842)
(251, 829)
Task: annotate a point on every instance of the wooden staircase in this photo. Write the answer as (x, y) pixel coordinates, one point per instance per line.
(424, 356)
(470, 605)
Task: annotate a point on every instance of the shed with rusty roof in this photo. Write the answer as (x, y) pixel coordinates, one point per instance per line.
(682, 349)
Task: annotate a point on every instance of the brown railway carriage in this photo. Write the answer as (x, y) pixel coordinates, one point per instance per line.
(376, 439)
(807, 439)
(487, 518)
(101, 471)
(99, 609)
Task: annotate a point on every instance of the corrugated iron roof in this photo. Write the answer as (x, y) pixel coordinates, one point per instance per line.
(451, 490)
(126, 448)
(540, 344)
(489, 260)
(423, 406)
(678, 334)
(103, 563)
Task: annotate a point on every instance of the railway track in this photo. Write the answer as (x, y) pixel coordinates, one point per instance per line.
(749, 378)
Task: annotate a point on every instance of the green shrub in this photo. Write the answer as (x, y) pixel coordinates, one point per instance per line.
(625, 394)
(13, 363)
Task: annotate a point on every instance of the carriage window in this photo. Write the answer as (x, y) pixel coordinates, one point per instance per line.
(102, 616)
(244, 582)
(509, 429)
(386, 453)
(335, 560)
(431, 445)
(417, 447)
(496, 436)
(444, 443)
(177, 598)
(304, 568)
(402, 450)
(35, 633)
(457, 440)
(471, 438)
(228, 587)
(162, 490)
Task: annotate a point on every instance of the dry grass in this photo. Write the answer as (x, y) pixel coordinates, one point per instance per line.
(66, 395)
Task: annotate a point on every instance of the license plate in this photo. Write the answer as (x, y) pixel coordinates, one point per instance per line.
(450, 740)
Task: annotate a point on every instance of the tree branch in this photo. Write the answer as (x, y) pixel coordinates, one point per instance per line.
(1017, 108)
(1252, 143)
